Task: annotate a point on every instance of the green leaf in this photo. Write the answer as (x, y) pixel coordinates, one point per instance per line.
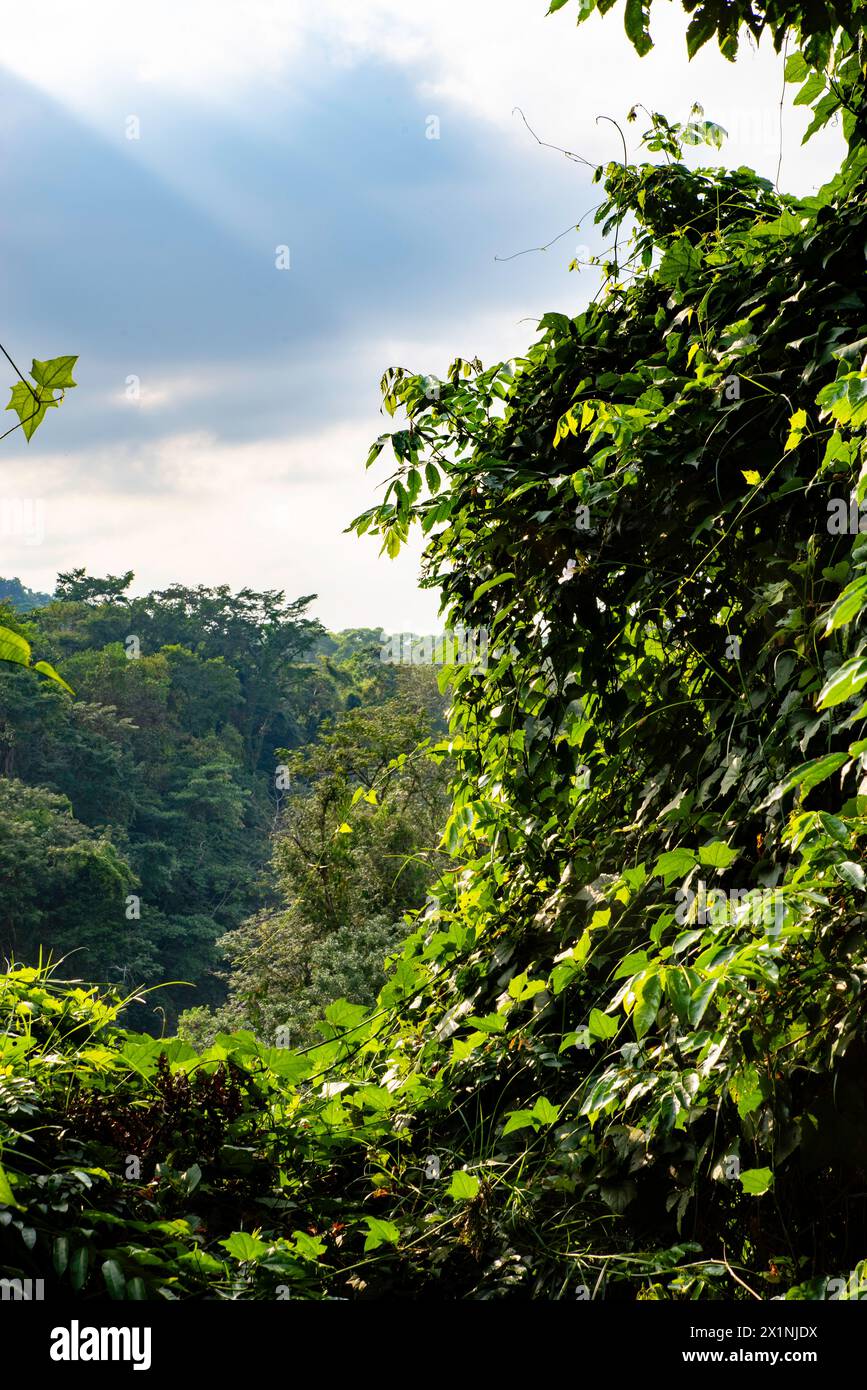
(796, 67)
(681, 261)
(78, 1268)
(380, 1233)
(852, 600)
(701, 997)
(30, 406)
(308, 1247)
(631, 964)
(7, 1196)
(490, 583)
(14, 647)
(648, 1000)
(717, 855)
(343, 1014)
(60, 1254)
(807, 776)
(746, 1091)
(518, 1119)
(46, 669)
(545, 1112)
(114, 1278)
(376, 449)
(244, 1247)
(756, 1181)
(636, 25)
(852, 873)
(702, 26)
(674, 863)
(463, 1186)
(602, 1025)
(678, 988)
(55, 374)
(846, 681)
(812, 88)
(491, 1023)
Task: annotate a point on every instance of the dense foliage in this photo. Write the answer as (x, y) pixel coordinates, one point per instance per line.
(137, 809)
(623, 1050)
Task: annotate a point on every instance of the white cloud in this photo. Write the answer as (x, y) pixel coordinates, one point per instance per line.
(192, 507)
(262, 513)
(484, 58)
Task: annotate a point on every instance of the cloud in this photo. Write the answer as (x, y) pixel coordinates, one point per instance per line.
(224, 513)
(281, 122)
(485, 58)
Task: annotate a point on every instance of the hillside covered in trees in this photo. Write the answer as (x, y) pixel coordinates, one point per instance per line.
(619, 1046)
(138, 816)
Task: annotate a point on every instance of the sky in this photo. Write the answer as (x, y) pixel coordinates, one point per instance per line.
(239, 215)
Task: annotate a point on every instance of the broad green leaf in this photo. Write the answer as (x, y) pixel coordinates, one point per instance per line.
(853, 874)
(380, 1233)
(46, 669)
(674, 863)
(602, 1025)
(631, 964)
(796, 68)
(636, 24)
(846, 681)
(60, 1254)
(491, 583)
(807, 776)
(717, 855)
(518, 1119)
(308, 1247)
(756, 1181)
(7, 1196)
(244, 1247)
(545, 1112)
(78, 1268)
(701, 997)
(463, 1186)
(114, 1278)
(30, 405)
(648, 1000)
(746, 1091)
(55, 374)
(14, 647)
(491, 1023)
(681, 262)
(678, 988)
(852, 600)
(812, 88)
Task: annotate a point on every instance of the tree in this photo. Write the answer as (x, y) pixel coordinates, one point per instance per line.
(356, 849)
(20, 598)
(65, 888)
